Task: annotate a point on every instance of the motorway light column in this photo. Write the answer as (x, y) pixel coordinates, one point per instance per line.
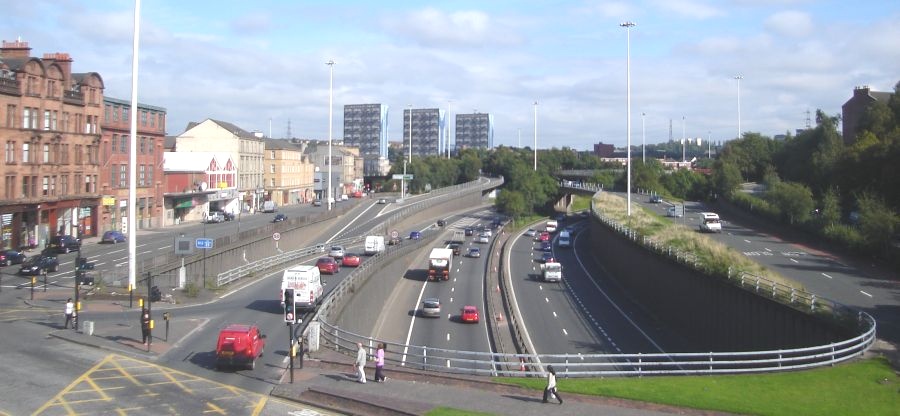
(628, 26)
(535, 136)
(738, 78)
(643, 139)
(132, 153)
(330, 64)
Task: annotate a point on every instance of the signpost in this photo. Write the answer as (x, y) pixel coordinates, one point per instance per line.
(276, 236)
(204, 243)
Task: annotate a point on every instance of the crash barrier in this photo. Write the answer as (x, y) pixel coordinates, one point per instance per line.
(601, 365)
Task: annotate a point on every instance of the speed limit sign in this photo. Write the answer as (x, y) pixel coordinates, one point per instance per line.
(394, 234)
(276, 236)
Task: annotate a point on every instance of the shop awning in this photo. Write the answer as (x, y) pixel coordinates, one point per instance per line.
(184, 203)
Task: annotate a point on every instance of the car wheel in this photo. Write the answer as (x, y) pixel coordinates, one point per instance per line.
(252, 365)
(56, 268)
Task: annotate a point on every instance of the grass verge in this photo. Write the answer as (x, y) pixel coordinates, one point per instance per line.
(865, 387)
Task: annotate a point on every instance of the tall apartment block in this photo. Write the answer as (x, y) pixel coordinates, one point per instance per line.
(366, 127)
(50, 125)
(427, 131)
(474, 131)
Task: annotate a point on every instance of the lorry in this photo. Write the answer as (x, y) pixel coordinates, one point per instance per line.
(551, 272)
(565, 239)
(374, 245)
(551, 226)
(439, 263)
(459, 236)
(307, 284)
(269, 206)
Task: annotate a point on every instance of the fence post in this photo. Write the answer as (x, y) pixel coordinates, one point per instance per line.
(710, 361)
(424, 357)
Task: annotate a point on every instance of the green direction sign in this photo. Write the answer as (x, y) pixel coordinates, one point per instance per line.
(408, 177)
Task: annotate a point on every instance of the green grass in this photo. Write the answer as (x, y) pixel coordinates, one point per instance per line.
(866, 387)
(580, 203)
(447, 411)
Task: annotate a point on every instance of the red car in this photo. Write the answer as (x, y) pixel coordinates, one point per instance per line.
(545, 236)
(239, 345)
(469, 314)
(350, 260)
(328, 265)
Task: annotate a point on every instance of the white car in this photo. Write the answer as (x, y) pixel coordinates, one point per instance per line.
(336, 252)
(487, 233)
(531, 232)
(484, 238)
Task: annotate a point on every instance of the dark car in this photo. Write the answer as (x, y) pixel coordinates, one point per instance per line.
(279, 218)
(546, 246)
(39, 265)
(547, 256)
(415, 235)
(441, 223)
(469, 231)
(655, 199)
(64, 244)
(10, 257)
(113, 237)
(455, 247)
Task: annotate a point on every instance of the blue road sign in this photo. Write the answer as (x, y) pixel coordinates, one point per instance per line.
(204, 243)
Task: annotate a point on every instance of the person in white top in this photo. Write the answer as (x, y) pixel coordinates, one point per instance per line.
(551, 386)
(70, 312)
(360, 363)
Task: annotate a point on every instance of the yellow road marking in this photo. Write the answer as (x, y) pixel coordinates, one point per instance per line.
(124, 373)
(215, 409)
(168, 373)
(259, 406)
(63, 392)
(125, 411)
(98, 389)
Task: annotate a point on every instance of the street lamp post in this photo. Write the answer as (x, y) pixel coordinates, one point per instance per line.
(738, 78)
(628, 26)
(643, 139)
(330, 64)
(535, 136)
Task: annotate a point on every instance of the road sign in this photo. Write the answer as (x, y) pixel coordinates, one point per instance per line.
(395, 233)
(276, 236)
(408, 177)
(204, 243)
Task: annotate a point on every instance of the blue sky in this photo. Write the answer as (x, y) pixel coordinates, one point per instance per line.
(251, 62)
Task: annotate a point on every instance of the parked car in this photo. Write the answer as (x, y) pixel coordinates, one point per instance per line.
(229, 216)
(415, 235)
(317, 202)
(441, 223)
(215, 217)
(64, 244)
(530, 232)
(382, 201)
(10, 257)
(239, 344)
(39, 264)
(350, 260)
(328, 265)
(431, 307)
(113, 237)
(474, 252)
(469, 314)
(279, 218)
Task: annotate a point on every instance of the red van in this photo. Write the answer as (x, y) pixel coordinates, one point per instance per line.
(239, 345)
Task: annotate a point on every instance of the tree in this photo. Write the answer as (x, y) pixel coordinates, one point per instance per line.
(794, 200)
(726, 177)
(512, 203)
(877, 222)
(830, 214)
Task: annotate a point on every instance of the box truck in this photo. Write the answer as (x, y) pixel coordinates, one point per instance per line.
(439, 263)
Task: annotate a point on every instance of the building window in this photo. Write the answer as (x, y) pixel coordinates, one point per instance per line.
(150, 144)
(10, 151)
(115, 113)
(125, 114)
(65, 155)
(54, 116)
(143, 144)
(144, 118)
(65, 121)
(123, 145)
(53, 185)
(11, 116)
(26, 180)
(45, 186)
(46, 119)
(123, 171)
(272, 155)
(46, 153)
(26, 152)
(10, 187)
(149, 175)
(271, 168)
(107, 112)
(141, 176)
(78, 154)
(26, 118)
(64, 185)
(114, 170)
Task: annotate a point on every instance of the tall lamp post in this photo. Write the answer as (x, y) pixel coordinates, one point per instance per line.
(535, 136)
(628, 26)
(330, 64)
(643, 139)
(738, 78)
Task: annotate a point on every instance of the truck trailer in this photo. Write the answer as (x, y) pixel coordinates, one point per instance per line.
(439, 263)
(551, 272)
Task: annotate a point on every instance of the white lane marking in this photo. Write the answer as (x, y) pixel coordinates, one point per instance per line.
(452, 289)
(163, 248)
(547, 300)
(565, 332)
(448, 363)
(826, 275)
(767, 249)
(116, 251)
(747, 241)
(540, 287)
(121, 264)
(349, 223)
(448, 337)
(451, 299)
(795, 261)
(99, 264)
(411, 323)
(864, 293)
(554, 315)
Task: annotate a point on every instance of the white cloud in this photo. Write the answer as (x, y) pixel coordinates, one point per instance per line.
(695, 9)
(790, 23)
(610, 9)
(433, 27)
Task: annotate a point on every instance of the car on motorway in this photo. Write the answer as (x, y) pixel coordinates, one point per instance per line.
(484, 238)
(10, 257)
(40, 264)
(546, 246)
(469, 314)
(64, 244)
(544, 236)
(431, 307)
(382, 201)
(455, 247)
(709, 222)
(487, 233)
(350, 260)
(474, 252)
(469, 231)
(279, 218)
(546, 257)
(655, 199)
(337, 252)
(530, 232)
(328, 265)
(673, 212)
(239, 345)
(441, 223)
(113, 237)
(415, 235)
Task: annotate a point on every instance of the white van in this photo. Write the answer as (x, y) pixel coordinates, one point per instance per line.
(307, 284)
(565, 239)
(269, 206)
(710, 223)
(551, 226)
(374, 244)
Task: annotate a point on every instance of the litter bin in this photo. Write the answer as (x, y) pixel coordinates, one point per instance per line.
(87, 327)
(155, 294)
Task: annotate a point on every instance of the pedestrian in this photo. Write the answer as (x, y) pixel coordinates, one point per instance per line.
(551, 386)
(145, 325)
(360, 363)
(379, 364)
(70, 311)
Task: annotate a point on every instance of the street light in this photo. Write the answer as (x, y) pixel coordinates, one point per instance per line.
(330, 64)
(643, 139)
(628, 26)
(535, 136)
(738, 78)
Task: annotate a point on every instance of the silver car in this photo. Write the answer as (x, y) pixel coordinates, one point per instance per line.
(337, 252)
(431, 307)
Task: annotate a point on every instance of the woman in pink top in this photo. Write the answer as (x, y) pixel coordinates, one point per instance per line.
(379, 363)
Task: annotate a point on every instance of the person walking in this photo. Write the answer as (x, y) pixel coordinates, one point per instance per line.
(145, 325)
(360, 363)
(70, 312)
(551, 386)
(379, 364)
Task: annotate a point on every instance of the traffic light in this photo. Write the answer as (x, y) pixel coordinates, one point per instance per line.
(289, 310)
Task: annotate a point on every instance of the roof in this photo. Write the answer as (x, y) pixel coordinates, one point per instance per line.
(193, 161)
(237, 328)
(237, 131)
(280, 144)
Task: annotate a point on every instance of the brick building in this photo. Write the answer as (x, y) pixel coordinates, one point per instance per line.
(852, 111)
(50, 129)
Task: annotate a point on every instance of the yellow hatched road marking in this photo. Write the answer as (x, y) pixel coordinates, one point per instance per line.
(125, 373)
(71, 386)
(259, 406)
(215, 409)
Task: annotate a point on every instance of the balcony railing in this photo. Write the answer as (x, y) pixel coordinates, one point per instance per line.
(9, 86)
(73, 97)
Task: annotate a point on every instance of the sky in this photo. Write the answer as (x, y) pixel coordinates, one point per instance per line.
(261, 65)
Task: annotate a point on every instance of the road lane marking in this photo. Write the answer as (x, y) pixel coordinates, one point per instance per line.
(547, 300)
(163, 248)
(448, 337)
(795, 261)
(864, 293)
(554, 315)
(826, 275)
(767, 249)
(747, 241)
(565, 332)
